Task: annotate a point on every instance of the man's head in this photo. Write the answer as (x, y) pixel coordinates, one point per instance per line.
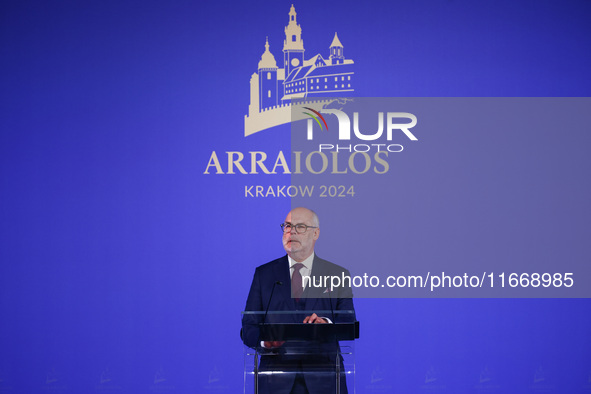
(300, 246)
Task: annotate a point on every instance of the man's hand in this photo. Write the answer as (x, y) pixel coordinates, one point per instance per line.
(314, 319)
(272, 344)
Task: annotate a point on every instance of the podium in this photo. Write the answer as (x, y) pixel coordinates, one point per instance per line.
(320, 356)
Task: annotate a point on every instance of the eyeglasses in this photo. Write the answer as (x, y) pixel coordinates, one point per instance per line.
(300, 228)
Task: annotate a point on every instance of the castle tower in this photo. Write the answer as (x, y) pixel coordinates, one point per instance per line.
(336, 51)
(267, 73)
(293, 46)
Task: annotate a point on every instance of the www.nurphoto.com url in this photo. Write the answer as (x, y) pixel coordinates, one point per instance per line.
(442, 280)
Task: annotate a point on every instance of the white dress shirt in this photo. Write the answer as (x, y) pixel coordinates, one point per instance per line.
(306, 270)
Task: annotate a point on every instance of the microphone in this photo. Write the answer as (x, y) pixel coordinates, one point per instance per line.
(266, 312)
(270, 298)
(331, 307)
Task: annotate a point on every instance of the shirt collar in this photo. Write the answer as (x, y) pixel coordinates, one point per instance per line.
(307, 263)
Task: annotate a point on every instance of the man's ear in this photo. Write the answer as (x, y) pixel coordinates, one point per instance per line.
(316, 233)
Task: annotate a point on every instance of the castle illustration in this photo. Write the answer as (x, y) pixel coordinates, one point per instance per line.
(272, 89)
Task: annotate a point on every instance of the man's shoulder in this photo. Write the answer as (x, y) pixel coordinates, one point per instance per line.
(272, 264)
(322, 264)
(328, 266)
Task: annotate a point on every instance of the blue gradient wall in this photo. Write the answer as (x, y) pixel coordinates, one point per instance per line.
(123, 268)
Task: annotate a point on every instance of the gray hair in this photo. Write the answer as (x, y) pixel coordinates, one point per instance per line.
(315, 220)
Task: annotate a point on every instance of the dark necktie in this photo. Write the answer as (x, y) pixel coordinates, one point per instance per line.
(296, 281)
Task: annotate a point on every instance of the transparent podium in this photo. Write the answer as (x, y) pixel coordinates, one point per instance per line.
(320, 357)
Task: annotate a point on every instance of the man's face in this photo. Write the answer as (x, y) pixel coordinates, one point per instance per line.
(300, 246)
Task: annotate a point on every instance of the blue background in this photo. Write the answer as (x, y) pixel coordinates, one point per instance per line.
(121, 259)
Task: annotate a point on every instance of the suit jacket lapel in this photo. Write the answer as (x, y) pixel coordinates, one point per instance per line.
(312, 293)
(282, 274)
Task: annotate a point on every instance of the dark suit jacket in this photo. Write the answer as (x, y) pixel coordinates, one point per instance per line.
(314, 299)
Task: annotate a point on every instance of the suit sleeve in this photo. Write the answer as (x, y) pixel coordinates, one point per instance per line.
(250, 329)
(345, 302)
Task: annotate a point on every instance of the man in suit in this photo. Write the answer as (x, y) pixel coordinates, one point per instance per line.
(281, 285)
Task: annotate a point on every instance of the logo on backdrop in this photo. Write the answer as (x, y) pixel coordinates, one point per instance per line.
(341, 135)
(312, 80)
